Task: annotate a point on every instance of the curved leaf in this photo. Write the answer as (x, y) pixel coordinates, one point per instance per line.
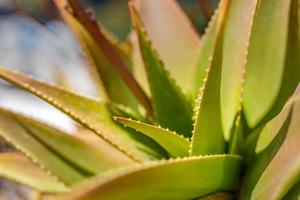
(283, 170)
(273, 67)
(294, 193)
(17, 135)
(17, 168)
(276, 161)
(88, 112)
(187, 178)
(174, 144)
(105, 56)
(75, 151)
(208, 135)
(173, 36)
(167, 97)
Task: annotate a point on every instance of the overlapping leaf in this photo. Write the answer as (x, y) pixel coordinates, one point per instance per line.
(208, 135)
(17, 135)
(173, 37)
(17, 168)
(174, 144)
(174, 179)
(283, 170)
(273, 67)
(89, 112)
(167, 97)
(82, 155)
(108, 59)
(276, 163)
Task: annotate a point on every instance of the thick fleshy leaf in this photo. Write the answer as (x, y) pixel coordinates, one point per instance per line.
(21, 138)
(208, 135)
(82, 155)
(284, 169)
(88, 112)
(173, 36)
(167, 96)
(107, 57)
(19, 169)
(174, 144)
(237, 31)
(271, 173)
(273, 67)
(186, 178)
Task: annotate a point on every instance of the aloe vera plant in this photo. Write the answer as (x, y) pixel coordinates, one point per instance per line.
(179, 117)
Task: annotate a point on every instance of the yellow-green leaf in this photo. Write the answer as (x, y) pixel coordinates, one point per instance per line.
(276, 158)
(167, 96)
(283, 170)
(19, 169)
(273, 60)
(106, 56)
(174, 144)
(237, 31)
(208, 135)
(186, 178)
(17, 135)
(88, 112)
(83, 156)
(173, 36)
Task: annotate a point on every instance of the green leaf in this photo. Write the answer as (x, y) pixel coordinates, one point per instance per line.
(173, 36)
(121, 110)
(88, 112)
(294, 193)
(237, 31)
(208, 135)
(107, 58)
(237, 136)
(283, 170)
(17, 135)
(167, 97)
(273, 67)
(19, 169)
(187, 178)
(206, 52)
(82, 155)
(174, 144)
(269, 175)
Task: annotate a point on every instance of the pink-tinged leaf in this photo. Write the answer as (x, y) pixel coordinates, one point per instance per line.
(237, 31)
(173, 36)
(107, 58)
(284, 169)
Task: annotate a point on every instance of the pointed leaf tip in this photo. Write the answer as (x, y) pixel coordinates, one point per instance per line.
(174, 144)
(166, 95)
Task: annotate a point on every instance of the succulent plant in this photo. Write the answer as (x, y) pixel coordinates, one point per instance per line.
(179, 117)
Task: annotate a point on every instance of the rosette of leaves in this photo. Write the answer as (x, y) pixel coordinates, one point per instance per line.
(209, 118)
